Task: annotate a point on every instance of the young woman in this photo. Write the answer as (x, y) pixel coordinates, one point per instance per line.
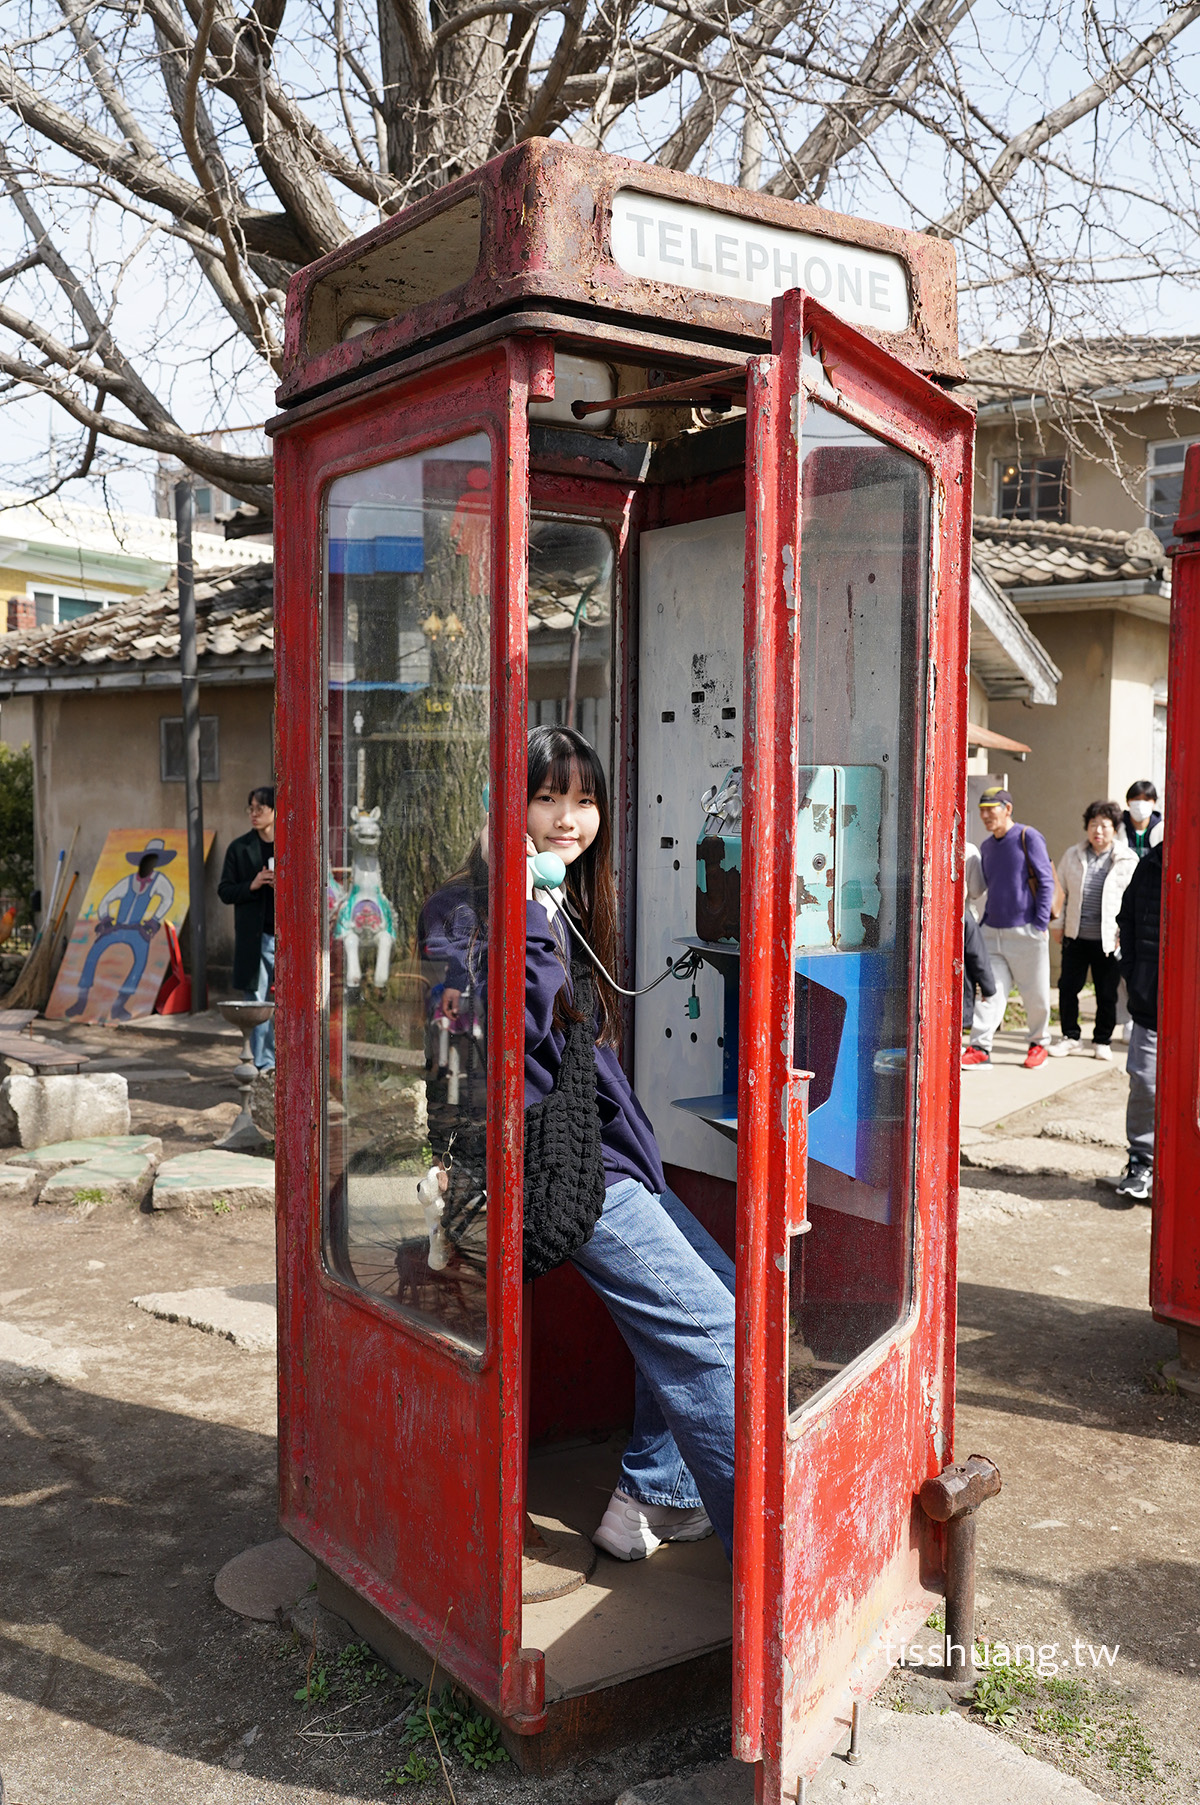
(666, 1283)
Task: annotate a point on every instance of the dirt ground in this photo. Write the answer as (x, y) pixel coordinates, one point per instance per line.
(127, 1480)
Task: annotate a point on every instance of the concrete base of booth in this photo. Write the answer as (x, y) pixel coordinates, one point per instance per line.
(639, 1648)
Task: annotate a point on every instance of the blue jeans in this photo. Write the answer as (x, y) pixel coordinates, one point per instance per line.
(262, 1038)
(669, 1289)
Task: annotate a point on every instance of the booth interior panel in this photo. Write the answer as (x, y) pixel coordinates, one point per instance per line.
(689, 736)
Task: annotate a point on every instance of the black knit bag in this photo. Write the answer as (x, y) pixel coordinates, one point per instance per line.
(564, 1164)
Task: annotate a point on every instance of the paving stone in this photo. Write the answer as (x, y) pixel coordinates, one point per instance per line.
(243, 1314)
(28, 1356)
(20, 1185)
(264, 1581)
(900, 1753)
(57, 1154)
(200, 1183)
(34, 1111)
(1041, 1158)
(119, 1178)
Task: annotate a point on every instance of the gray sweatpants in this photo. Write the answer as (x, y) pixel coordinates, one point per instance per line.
(1020, 961)
(1142, 1067)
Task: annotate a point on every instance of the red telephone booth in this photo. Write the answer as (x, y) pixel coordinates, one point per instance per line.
(1175, 1240)
(577, 439)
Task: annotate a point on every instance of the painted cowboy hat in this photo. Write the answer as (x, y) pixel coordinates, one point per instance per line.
(154, 846)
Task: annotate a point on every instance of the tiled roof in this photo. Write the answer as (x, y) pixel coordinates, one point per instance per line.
(1022, 553)
(1085, 367)
(233, 620)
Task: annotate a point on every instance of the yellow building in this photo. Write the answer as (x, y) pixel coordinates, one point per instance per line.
(60, 559)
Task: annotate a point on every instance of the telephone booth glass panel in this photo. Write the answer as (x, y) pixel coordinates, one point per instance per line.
(864, 584)
(409, 616)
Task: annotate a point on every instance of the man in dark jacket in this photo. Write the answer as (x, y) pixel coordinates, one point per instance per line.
(977, 969)
(1138, 925)
(248, 882)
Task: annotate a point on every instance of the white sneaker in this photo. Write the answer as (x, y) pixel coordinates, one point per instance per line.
(630, 1530)
(1101, 1052)
(1059, 1049)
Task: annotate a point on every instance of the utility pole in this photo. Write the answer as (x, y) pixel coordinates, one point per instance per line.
(190, 685)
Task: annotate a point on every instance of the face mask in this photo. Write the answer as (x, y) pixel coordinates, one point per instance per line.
(1139, 812)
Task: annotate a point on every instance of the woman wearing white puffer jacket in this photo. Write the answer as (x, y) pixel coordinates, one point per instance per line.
(1091, 879)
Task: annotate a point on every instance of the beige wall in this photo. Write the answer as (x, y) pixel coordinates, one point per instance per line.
(1067, 765)
(1099, 497)
(1098, 739)
(16, 722)
(97, 764)
(977, 714)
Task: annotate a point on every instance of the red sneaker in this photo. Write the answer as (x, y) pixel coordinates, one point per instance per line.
(1036, 1056)
(976, 1056)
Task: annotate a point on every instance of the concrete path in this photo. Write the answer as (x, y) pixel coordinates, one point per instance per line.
(901, 1752)
(990, 1092)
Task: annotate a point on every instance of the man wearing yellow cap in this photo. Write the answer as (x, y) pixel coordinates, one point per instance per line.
(1020, 891)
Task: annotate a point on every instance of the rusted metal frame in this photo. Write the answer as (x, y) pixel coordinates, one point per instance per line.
(1175, 1234)
(530, 376)
(953, 1498)
(690, 389)
(545, 208)
(766, 1002)
(593, 335)
(480, 392)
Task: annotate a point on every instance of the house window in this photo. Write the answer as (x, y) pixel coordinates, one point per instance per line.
(1164, 485)
(1032, 489)
(51, 607)
(170, 749)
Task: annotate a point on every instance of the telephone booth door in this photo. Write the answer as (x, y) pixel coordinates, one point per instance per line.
(858, 513)
(402, 565)
(1175, 1242)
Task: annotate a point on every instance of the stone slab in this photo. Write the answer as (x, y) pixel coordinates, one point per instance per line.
(243, 1314)
(117, 1178)
(200, 1183)
(261, 1582)
(20, 1185)
(26, 1356)
(57, 1154)
(907, 1759)
(1042, 1158)
(35, 1111)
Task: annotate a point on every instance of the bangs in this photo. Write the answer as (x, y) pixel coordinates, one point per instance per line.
(556, 755)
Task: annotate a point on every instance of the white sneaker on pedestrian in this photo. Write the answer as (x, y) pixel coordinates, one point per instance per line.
(1059, 1049)
(630, 1530)
(1101, 1051)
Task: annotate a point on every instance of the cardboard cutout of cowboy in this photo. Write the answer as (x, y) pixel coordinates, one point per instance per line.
(118, 953)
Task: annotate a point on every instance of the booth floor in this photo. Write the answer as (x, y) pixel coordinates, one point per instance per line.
(630, 1617)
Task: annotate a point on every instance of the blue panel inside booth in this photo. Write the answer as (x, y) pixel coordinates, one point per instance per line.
(868, 1082)
(386, 554)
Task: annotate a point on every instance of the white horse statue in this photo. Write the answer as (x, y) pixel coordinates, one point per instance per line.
(366, 914)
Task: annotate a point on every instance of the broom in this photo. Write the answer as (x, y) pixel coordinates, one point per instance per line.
(32, 989)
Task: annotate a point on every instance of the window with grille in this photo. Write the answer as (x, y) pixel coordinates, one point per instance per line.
(1032, 489)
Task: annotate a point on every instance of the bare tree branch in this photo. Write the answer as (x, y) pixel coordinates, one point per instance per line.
(1025, 144)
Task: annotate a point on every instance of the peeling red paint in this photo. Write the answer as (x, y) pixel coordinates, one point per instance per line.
(1175, 1242)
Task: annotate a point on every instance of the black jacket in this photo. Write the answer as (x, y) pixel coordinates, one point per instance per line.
(1138, 925)
(1131, 831)
(245, 858)
(977, 967)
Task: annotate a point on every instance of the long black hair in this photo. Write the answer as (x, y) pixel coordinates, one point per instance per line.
(557, 755)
